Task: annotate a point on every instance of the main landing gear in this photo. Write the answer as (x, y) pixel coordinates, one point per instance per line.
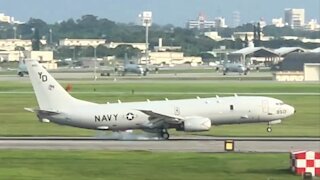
(164, 134)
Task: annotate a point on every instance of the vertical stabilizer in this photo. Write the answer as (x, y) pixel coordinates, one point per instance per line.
(51, 96)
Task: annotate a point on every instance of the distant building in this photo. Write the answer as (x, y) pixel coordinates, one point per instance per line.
(200, 23)
(299, 67)
(236, 18)
(262, 23)
(294, 18)
(220, 22)
(172, 58)
(162, 48)
(39, 55)
(9, 56)
(295, 61)
(278, 22)
(45, 57)
(312, 25)
(81, 42)
(13, 44)
(213, 35)
(8, 19)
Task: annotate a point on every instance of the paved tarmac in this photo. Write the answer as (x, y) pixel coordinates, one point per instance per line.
(167, 76)
(175, 144)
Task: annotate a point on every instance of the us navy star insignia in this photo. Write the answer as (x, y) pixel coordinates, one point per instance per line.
(130, 116)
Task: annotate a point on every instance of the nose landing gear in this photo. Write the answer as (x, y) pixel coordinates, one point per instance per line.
(269, 129)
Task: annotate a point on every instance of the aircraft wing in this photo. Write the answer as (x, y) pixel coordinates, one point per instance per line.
(158, 119)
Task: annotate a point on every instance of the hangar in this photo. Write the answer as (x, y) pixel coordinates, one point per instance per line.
(254, 55)
(296, 61)
(284, 51)
(299, 67)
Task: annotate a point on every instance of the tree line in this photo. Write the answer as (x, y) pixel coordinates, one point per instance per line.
(192, 41)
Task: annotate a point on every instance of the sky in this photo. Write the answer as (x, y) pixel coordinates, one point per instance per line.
(176, 12)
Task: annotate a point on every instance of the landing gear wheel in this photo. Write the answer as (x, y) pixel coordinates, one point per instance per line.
(165, 135)
(269, 129)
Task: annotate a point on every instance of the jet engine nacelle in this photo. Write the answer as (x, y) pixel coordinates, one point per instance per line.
(193, 124)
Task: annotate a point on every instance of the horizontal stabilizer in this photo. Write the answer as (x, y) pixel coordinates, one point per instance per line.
(42, 112)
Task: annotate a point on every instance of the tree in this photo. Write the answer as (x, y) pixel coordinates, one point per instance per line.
(36, 40)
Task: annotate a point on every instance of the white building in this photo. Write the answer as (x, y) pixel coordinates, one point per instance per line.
(163, 48)
(262, 23)
(12, 44)
(311, 71)
(213, 35)
(312, 25)
(39, 55)
(278, 22)
(172, 58)
(220, 22)
(6, 19)
(9, 56)
(294, 18)
(200, 23)
(82, 42)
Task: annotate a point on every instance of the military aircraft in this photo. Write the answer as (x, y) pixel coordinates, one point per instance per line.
(22, 69)
(133, 68)
(190, 115)
(235, 67)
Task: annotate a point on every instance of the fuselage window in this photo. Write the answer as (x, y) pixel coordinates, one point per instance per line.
(231, 107)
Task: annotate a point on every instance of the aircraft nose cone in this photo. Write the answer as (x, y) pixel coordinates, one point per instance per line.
(291, 110)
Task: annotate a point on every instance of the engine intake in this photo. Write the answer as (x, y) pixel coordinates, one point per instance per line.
(194, 124)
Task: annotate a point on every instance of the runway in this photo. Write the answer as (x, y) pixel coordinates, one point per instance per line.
(175, 144)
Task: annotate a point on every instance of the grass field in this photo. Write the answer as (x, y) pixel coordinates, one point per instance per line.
(306, 122)
(78, 165)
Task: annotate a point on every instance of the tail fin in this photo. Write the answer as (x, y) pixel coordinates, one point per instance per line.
(51, 96)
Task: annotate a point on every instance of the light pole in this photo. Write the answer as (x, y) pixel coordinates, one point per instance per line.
(95, 62)
(14, 32)
(146, 18)
(50, 37)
